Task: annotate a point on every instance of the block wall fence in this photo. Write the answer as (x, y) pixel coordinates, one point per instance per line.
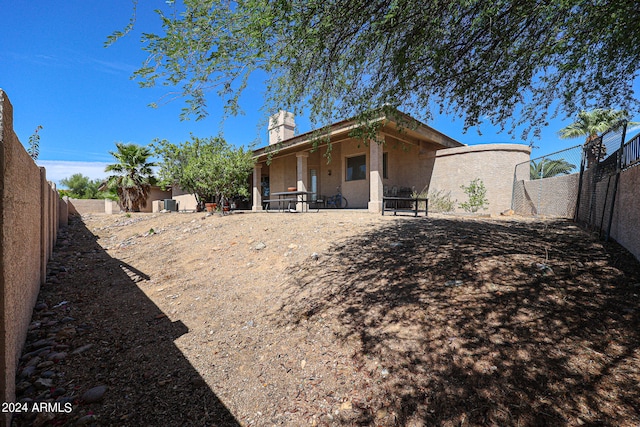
(31, 213)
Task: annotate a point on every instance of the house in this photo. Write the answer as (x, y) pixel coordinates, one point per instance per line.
(412, 157)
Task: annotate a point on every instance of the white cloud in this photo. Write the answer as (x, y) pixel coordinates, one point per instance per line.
(60, 169)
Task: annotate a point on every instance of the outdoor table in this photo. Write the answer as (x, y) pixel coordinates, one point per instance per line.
(286, 198)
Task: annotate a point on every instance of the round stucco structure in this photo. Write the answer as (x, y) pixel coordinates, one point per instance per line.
(494, 164)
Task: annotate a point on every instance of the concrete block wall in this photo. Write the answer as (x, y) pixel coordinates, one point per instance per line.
(492, 163)
(625, 227)
(29, 208)
(553, 197)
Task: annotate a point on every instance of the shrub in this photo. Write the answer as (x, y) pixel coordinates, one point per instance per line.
(477, 194)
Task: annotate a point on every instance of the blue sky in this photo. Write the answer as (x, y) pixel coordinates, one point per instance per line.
(58, 74)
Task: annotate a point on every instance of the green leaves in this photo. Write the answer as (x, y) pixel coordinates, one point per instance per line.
(133, 175)
(547, 168)
(34, 144)
(505, 62)
(83, 187)
(477, 194)
(210, 168)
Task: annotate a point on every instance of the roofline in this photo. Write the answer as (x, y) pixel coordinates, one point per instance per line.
(346, 125)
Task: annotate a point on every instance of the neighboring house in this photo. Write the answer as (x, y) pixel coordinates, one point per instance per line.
(413, 157)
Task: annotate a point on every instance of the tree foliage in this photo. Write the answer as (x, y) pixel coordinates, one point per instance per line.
(83, 187)
(503, 61)
(547, 168)
(592, 123)
(34, 143)
(133, 175)
(210, 168)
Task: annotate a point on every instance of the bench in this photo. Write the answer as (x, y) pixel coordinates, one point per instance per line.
(404, 204)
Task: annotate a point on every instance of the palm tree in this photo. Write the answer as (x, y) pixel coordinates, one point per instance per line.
(592, 123)
(133, 175)
(546, 168)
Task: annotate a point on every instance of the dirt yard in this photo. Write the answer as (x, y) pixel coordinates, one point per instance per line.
(334, 319)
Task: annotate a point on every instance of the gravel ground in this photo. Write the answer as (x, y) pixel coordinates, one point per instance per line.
(333, 318)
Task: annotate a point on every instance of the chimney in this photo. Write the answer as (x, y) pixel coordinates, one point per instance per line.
(281, 127)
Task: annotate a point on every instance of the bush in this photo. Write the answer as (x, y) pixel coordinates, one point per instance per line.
(477, 194)
(439, 201)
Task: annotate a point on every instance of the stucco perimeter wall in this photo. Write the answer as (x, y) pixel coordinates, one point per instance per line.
(89, 206)
(625, 227)
(29, 208)
(492, 163)
(555, 196)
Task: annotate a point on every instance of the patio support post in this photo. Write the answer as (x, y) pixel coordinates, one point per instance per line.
(301, 168)
(257, 190)
(375, 176)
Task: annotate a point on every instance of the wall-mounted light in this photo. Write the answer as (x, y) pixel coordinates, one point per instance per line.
(329, 172)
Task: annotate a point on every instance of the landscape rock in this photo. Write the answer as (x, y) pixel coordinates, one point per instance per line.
(95, 394)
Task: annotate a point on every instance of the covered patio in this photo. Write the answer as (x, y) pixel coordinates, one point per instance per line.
(400, 159)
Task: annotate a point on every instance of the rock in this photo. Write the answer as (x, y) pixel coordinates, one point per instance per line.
(83, 421)
(46, 364)
(43, 419)
(66, 333)
(545, 269)
(454, 283)
(27, 371)
(47, 374)
(315, 256)
(303, 364)
(57, 357)
(44, 383)
(384, 372)
(35, 361)
(22, 386)
(95, 394)
(346, 406)
(41, 306)
(58, 392)
(42, 343)
(260, 246)
(83, 348)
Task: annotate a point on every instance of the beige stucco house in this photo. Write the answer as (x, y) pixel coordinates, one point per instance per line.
(411, 157)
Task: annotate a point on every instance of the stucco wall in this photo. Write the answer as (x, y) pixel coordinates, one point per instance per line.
(356, 192)
(408, 166)
(155, 194)
(492, 163)
(89, 206)
(625, 228)
(28, 212)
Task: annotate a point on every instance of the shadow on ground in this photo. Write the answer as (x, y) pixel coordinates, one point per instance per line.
(111, 332)
(482, 323)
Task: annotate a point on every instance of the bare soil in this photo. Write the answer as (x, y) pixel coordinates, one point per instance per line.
(337, 318)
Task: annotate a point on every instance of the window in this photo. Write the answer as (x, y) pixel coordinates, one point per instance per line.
(385, 165)
(356, 168)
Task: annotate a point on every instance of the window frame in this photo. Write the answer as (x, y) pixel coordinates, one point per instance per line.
(359, 176)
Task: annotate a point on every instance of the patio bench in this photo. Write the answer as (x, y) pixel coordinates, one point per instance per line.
(404, 204)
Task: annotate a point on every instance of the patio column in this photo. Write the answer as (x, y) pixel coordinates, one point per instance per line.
(257, 187)
(375, 176)
(301, 168)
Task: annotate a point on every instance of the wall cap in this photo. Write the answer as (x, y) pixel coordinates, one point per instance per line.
(483, 147)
